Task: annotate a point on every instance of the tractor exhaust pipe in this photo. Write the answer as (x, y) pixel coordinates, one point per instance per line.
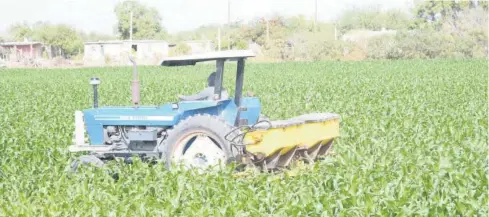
(135, 84)
(95, 82)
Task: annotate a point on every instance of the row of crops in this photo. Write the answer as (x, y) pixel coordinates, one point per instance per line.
(414, 143)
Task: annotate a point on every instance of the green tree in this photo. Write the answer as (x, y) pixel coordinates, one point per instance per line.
(19, 31)
(373, 19)
(257, 30)
(67, 39)
(146, 21)
(298, 23)
(314, 46)
(62, 36)
(181, 49)
(432, 14)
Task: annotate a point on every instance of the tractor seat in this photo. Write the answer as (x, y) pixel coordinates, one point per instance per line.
(206, 94)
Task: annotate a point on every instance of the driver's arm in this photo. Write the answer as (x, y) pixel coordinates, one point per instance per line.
(207, 92)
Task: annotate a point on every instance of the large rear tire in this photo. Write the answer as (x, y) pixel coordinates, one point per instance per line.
(199, 141)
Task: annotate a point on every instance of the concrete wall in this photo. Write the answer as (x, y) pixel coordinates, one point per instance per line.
(116, 53)
(197, 47)
(149, 53)
(93, 54)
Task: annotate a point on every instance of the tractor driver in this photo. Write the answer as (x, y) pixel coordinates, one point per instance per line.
(207, 93)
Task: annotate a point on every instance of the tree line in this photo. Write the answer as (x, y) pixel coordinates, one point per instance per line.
(433, 29)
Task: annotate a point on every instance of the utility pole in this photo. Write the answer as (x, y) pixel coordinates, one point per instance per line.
(315, 13)
(335, 32)
(130, 31)
(229, 12)
(219, 38)
(229, 24)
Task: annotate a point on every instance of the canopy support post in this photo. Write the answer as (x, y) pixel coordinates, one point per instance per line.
(219, 75)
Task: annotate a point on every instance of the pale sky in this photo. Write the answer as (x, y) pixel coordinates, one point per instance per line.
(177, 15)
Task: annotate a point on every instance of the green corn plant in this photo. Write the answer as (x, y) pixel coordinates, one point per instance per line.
(413, 143)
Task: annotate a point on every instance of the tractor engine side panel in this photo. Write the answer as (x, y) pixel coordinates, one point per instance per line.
(98, 119)
(165, 116)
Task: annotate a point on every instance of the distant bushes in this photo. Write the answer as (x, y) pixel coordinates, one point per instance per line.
(180, 49)
(426, 44)
(433, 29)
(463, 37)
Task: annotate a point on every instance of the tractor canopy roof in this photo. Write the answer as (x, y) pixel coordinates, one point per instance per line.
(230, 55)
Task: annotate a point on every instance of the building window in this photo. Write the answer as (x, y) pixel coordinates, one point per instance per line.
(134, 47)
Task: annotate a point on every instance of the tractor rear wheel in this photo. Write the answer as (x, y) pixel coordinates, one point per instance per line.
(199, 141)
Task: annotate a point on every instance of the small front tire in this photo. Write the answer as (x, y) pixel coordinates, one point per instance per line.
(86, 160)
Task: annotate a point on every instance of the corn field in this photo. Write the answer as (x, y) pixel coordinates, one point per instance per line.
(413, 143)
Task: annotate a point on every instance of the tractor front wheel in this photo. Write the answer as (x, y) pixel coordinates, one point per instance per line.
(199, 141)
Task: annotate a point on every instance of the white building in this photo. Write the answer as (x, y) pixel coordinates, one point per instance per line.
(146, 52)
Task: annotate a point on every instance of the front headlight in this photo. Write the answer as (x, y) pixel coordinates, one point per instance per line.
(79, 128)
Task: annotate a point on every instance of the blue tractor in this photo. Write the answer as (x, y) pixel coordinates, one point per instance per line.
(207, 129)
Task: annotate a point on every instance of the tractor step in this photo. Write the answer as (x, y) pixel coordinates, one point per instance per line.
(91, 148)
